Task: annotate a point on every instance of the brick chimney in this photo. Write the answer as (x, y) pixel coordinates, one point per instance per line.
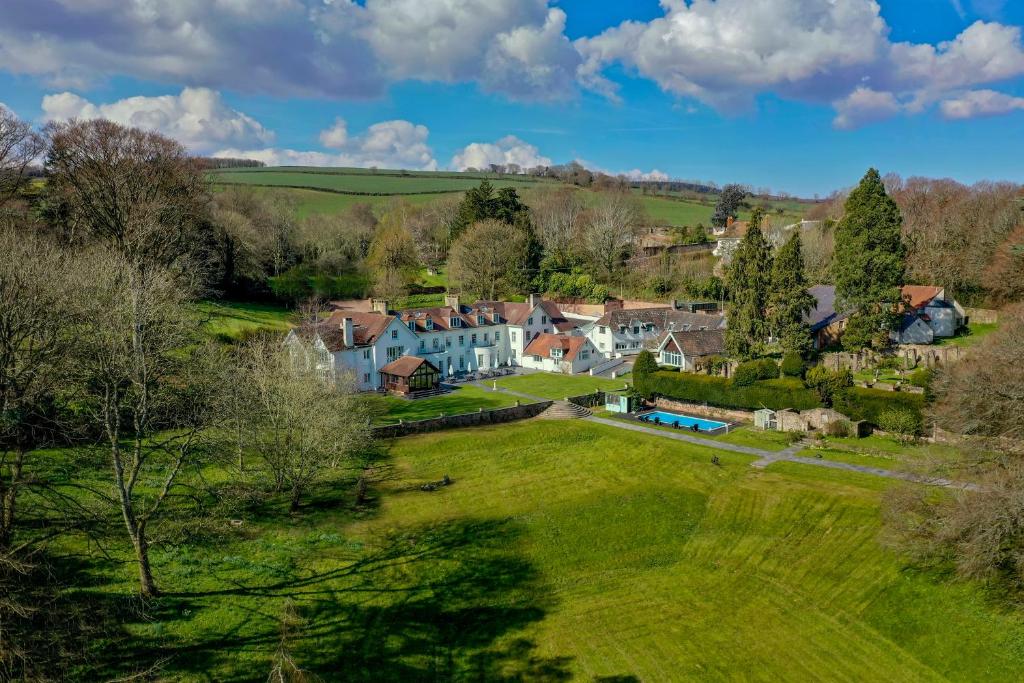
(379, 306)
(534, 300)
(729, 221)
(452, 301)
(347, 334)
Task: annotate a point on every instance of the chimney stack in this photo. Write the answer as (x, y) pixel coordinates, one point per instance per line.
(534, 300)
(347, 334)
(729, 221)
(379, 306)
(452, 301)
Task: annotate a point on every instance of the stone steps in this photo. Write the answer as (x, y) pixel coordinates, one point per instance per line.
(563, 410)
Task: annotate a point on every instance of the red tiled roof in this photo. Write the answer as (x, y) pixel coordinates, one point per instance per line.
(405, 366)
(543, 343)
(917, 296)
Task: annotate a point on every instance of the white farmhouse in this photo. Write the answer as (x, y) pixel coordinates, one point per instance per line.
(560, 353)
(628, 332)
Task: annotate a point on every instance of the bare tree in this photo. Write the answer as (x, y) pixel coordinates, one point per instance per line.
(983, 394)
(135, 190)
(611, 230)
(302, 424)
(19, 147)
(152, 397)
(37, 284)
(559, 217)
(487, 258)
(393, 259)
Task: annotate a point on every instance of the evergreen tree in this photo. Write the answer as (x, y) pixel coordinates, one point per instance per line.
(644, 366)
(748, 280)
(478, 204)
(868, 263)
(790, 301)
(728, 204)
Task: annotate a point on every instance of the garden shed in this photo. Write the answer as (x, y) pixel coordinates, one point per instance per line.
(621, 401)
(765, 419)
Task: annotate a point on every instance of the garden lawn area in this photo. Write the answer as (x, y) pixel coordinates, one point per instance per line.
(232, 321)
(561, 550)
(462, 399)
(882, 451)
(556, 386)
(974, 334)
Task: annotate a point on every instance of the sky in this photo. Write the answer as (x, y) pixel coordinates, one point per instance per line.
(797, 96)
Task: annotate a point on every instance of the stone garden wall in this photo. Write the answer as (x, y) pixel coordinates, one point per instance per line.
(482, 417)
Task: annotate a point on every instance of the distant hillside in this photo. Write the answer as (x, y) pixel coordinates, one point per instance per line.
(331, 190)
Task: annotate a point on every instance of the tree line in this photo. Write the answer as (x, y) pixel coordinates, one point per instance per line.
(103, 360)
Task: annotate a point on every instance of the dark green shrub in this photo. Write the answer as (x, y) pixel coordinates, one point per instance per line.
(793, 365)
(902, 423)
(718, 391)
(827, 383)
(713, 364)
(870, 404)
(755, 370)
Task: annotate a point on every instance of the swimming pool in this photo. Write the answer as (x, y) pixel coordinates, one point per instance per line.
(683, 421)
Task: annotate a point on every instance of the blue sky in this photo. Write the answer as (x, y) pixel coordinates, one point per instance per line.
(794, 95)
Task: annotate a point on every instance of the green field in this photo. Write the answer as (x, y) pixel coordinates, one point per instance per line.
(363, 183)
(464, 398)
(233, 321)
(563, 550)
(555, 386)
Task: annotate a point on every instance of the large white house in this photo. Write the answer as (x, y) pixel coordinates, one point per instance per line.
(628, 332)
(454, 338)
(561, 353)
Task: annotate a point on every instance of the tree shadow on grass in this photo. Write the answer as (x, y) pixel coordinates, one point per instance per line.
(447, 601)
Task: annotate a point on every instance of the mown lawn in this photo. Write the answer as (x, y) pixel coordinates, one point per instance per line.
(975, 333)
(562, 550)
(231, 320)
(465, 398)
(555, 386)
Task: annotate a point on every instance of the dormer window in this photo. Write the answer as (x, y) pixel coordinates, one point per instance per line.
(412, 325)
(479, 320)
(453, 322)
(556, 353)
(430, 324)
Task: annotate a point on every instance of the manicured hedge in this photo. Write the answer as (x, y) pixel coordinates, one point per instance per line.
(717, 391)
(868, 404)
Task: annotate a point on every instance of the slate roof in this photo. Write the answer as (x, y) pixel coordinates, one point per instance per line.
(825, 314)
(663, 319)
(700, 342)
(543, 343)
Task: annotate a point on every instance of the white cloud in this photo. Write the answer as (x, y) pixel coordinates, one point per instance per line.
(198, 117)
(864, 106)
(334, 48)
(507, 150)
(980, 103)
(726, 52)
(389, 144)
(335, 137)
(654, 175)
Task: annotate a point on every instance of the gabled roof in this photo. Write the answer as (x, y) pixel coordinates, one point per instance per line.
(517, 313)
(825, 313)
(441, 317)
(694, 343)
(918, 296)
(366, 328)
(542, 345)
(406, 366)
(664, 318)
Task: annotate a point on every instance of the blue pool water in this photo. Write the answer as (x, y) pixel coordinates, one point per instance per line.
(684, 421)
